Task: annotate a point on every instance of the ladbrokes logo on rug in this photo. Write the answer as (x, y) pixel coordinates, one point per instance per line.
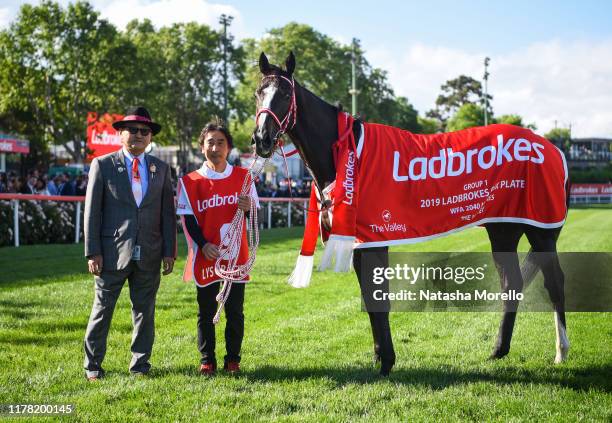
(349, 183)
(217, 201)
(450, 163)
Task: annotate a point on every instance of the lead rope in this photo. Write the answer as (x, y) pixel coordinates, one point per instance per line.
(230, 244)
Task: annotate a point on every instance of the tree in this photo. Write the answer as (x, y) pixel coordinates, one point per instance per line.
(456, 93)
(56, 65)
(429, 125)
(323, 67)
(397, 112)
(468, 115)
(516, 120)
(561, 137)
(183, 80)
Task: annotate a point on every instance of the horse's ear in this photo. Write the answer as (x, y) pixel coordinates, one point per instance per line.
(290, 63)
(264, 65)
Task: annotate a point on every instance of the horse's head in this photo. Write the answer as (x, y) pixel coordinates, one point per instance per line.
(276, 104)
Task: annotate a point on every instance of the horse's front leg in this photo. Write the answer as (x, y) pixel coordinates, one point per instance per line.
(364, 262)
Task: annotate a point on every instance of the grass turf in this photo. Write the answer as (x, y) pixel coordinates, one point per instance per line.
(306, 353)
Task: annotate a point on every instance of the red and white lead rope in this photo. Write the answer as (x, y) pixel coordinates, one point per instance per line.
(229, 249)
(230, 244)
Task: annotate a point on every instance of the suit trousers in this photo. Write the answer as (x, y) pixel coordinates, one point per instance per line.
(234, 326)
(143, 286)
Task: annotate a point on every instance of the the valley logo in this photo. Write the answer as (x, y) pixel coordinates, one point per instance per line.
(386, 215)
(387, 226)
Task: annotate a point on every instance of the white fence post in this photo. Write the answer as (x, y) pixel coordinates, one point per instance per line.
(16, 222)
(77, 226)
(305, 211)
(289, 214)
(269, 214)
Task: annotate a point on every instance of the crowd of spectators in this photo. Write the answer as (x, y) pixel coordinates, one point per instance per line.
(581, 152)
(64, 184)
(298, 189)
(40, 183)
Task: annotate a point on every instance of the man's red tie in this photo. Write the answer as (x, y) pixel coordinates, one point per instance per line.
(136, 182)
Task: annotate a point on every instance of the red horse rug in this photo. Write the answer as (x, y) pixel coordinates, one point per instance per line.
(395, 187)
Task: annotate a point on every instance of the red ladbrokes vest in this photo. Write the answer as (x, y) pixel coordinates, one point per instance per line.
(214, 203)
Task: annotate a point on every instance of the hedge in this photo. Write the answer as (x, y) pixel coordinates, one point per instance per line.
(40, 222)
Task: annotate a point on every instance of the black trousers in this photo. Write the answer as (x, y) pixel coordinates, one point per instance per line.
(234, 326)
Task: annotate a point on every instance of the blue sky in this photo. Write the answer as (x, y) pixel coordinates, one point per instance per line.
(493, 26)
(551, 61)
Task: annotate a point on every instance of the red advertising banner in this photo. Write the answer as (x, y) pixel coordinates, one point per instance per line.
(101, 136)
(591, 190)
(10, 144)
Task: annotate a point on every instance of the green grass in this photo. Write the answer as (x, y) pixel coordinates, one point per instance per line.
(306, 353)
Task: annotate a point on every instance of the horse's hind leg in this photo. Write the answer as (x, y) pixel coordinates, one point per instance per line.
(529, 268)
(379, 320)
(383, 343)
(375, 335)
(504, 239)
(544, 242)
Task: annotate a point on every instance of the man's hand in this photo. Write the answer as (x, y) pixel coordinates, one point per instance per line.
(94, 265)
(210, 250)
(244, 202)
(168, 263)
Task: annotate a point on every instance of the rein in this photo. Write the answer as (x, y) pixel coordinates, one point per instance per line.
(283, 125)
(325, 204)
(230, 244)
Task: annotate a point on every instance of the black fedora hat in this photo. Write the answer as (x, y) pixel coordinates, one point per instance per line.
(138, 115)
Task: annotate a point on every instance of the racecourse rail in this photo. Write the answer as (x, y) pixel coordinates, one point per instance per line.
(579, 194)
(16, 198)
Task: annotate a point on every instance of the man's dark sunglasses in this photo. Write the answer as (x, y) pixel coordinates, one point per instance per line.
(133, 130)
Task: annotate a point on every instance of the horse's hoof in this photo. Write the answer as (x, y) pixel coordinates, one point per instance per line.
(385, 370)
(386, 366)
(562, 354)
(498, 354)
(376, 358)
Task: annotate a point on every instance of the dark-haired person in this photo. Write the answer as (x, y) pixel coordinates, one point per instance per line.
(41, 188)
(66, 187)
(53, 185)
(80, 185)
(3, 182)
(208, 200)
(130, 230)
(27, 186)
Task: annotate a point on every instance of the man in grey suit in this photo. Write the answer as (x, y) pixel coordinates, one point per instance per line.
(130, 229)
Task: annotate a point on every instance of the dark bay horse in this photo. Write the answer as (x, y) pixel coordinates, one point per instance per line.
(286, 107)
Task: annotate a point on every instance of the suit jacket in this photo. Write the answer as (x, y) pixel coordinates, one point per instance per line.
(66, 188)
(114, 224)
(25, 189)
